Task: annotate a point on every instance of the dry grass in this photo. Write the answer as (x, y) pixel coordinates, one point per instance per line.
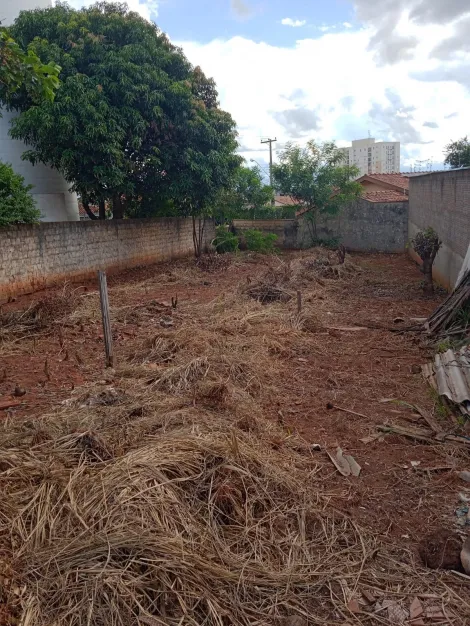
(17, 324)
(168, 498)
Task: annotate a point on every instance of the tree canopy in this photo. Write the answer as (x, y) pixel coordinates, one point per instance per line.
(20, 70)
(316, 177)
(245, 193)
(133, 122)
(458, 153)
(16, 202)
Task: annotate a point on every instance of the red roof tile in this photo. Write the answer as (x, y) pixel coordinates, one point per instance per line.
(398, 180)
(387, 195)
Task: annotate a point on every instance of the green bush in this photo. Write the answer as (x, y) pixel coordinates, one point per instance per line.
(258, 241)
(16, 203)
(225, 240)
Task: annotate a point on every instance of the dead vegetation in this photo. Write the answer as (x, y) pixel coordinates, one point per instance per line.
(40, 315)
(167, 497)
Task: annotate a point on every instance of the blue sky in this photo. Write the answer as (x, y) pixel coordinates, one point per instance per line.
(330, 69)
(206, 20)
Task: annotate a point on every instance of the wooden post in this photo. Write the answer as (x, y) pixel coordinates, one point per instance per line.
(299, 302)
(107, 334)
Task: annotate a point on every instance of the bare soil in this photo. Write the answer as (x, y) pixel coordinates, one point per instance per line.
(360, 359)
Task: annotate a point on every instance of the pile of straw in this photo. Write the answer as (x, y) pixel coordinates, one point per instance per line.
(38, 316)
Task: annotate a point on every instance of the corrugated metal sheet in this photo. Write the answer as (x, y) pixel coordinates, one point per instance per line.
(450, 376)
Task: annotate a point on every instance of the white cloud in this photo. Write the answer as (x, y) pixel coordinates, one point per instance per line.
(347, 25)
(148, 9)
(278, 91)
(288, 21)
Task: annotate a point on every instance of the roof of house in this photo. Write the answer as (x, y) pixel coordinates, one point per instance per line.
(286, 200)
(387, 195)
(396, 180)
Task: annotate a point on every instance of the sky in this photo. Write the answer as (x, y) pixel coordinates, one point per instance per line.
(330, 69)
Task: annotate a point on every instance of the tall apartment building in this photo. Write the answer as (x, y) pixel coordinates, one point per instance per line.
(370, 157)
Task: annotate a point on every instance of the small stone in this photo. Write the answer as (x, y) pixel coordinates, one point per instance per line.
(465, 476)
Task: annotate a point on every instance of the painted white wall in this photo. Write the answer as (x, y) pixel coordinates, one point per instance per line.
(50, 189)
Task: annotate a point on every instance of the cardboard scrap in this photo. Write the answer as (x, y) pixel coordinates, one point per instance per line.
(416, 609)
(345, 464)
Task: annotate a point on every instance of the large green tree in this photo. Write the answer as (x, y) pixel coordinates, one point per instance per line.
(17, 205)
(24, 71)
(245, 194)
(316, 177)
(133, 122)
(458, 153)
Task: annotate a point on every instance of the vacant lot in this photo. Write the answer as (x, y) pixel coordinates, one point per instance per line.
(184, 486)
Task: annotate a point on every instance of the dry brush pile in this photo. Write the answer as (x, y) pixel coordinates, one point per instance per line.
(167, 497)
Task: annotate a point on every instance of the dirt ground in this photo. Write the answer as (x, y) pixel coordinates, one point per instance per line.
(358, 359)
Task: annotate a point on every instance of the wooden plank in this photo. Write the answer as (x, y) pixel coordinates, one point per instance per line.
(107, 333)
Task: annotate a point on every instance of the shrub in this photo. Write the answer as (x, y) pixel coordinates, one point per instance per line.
(16, 202)
(258, 241)
(225, 241)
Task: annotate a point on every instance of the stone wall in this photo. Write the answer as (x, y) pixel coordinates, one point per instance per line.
(362, 226)
(39, 255)
(441, 200)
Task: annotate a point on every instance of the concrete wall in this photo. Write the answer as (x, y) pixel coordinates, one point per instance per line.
(35, 256)
(362, 226)
(441, 200)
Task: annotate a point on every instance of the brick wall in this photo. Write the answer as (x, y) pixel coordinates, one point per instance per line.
(362, 226)
(441, 200)
(35, 256)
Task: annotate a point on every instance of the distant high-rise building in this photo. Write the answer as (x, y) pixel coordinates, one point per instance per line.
(370, 157)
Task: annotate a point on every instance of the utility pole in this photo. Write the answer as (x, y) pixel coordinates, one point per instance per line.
(270, 141)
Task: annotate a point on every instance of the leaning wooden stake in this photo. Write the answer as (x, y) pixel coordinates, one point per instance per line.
(299, 302)
(108, 337)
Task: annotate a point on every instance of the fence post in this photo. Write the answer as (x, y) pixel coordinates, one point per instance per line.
(107, 334)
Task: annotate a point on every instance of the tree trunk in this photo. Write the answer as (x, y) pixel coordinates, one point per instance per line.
(118, 208)
(102, 209)
(427, 272)
(198, 235)
(88, 211)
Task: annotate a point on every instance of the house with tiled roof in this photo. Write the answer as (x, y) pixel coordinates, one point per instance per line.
(385, 187)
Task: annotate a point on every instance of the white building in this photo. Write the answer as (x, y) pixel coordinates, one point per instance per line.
(50, 189)
(370, 157)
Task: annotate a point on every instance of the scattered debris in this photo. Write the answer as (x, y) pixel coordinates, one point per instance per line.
(464, 476)
(345, 464)
(422, 434)
(463, 517)
(416, 609)
(331, 406)
(353, 606)
(445, 318)
(395, 613)
(465, 555)
(450, 376)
